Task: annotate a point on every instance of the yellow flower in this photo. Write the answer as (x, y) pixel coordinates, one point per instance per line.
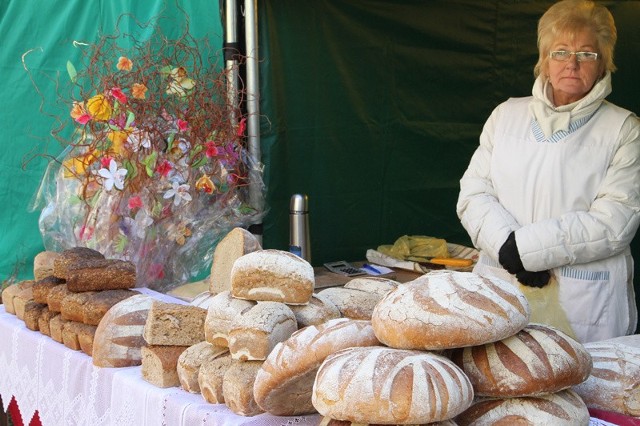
(139, 91)
(124, 64)
(205, 184)
(118, 138)
(99, 108)
(78, 165)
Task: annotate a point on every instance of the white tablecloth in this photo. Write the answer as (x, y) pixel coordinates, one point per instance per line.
(67, 389)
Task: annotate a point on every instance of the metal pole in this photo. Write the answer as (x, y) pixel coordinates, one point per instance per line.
(231, 64)
(253, 102)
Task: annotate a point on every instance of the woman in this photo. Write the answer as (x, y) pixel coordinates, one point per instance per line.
(552, 194)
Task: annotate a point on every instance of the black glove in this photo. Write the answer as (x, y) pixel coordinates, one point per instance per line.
(509, 257)
(533, 279)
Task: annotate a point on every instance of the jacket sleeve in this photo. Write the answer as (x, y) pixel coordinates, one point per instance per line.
(486, 221)
(606, 229)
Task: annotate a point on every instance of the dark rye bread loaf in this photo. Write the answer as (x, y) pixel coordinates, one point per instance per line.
(41, 288)
(564, 408)
(71, 257)
(449, 309)
(101, 274)
(538, 359)
(390, 386)
(284, 383)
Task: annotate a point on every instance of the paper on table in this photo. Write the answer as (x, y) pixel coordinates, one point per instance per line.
(455, 250)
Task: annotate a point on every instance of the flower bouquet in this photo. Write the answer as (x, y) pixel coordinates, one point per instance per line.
(155, 171)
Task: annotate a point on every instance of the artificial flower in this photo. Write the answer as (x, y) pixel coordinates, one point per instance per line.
(242, 126)
(78, 165)
(182, 125)
(179, 233)
(118, 138)
(179, 192)
(156, 271)
(164, 167)
(105, 161)
(124, 64)
(139, 91)
(179, 83)
(86, 232)
(99, 108)
(135, 202)
(137, 226)
(205, 184)
(117, 93)
(211, 150)
(79, 114)
(138, 139)
(113, 176)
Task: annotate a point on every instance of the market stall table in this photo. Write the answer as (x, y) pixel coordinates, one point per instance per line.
(65, 388)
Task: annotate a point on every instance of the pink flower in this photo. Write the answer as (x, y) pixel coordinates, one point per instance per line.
(86, 232)
(83, 119)
(242, 126)
(135, 202)
(105, 161)
(117, 93)
(164, 167)
(182, 125)
(156, 270)
(211, 150)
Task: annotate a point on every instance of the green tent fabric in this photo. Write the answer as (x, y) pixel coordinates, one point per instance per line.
(39, 36)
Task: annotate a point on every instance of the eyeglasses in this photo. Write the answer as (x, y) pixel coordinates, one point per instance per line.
(565, 55)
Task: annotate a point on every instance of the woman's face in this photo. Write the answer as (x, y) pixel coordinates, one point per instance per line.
(572, 80)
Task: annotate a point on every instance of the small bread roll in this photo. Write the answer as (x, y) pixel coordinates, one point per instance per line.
(192, 359)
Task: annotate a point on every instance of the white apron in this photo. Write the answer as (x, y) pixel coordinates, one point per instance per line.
(568, 169)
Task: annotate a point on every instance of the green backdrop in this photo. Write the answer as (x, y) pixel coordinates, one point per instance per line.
(372, 108)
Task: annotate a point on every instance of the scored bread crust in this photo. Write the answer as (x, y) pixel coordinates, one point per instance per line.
(272, 275)
(538, 359)
(450, 309)
(564, 408)
(284, 383)
(390, 386)
(221, 312)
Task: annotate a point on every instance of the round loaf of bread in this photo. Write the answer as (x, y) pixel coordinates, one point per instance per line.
(390, 386)
(564, 408)
(378, 285)
(450, 309)
(352, 303)
(118, 339)
(222, 310)
(284, 383)
(328, 421)
(538, 359)
(43, 264)
(211, 376)
(191, 359)
(237, 387)
(272, 275)
(319, 309)
(614, 383)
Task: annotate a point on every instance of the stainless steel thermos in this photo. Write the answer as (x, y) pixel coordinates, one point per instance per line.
(299, 242)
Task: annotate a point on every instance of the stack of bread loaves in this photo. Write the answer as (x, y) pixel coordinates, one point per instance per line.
(248, 320)
(70, 294)
(478, 323)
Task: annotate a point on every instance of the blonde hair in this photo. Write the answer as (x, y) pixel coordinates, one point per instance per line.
(569, 17)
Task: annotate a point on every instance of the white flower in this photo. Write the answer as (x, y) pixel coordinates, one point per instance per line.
(113, 176)
(179, 193)
(139, 138)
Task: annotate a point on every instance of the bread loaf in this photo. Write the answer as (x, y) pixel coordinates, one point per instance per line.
(71, 332)
(211, 378)
(378, 285)
(101, 274)
(100, 302)
(450, 309)
(72, 305)
(32, 312)
(385, 385)
(9, 293)
(44, 320)
(174, 324)
(222, 310)
(631, 340)
(237, 387)
(564, 408)
(42, 287)
(254, 334)
(21, 299)
(272, 275)
(73, 256)
(56, 325)
(86, 334)
(160, 363)
(43, 264)
(202, 300)
(352, 303)
(55, 296)
(538, 359)
(191, 360)
(614, 383)
(319, 310)
(118, 339)
(235, 244)
(284, 383)
(328, 421)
